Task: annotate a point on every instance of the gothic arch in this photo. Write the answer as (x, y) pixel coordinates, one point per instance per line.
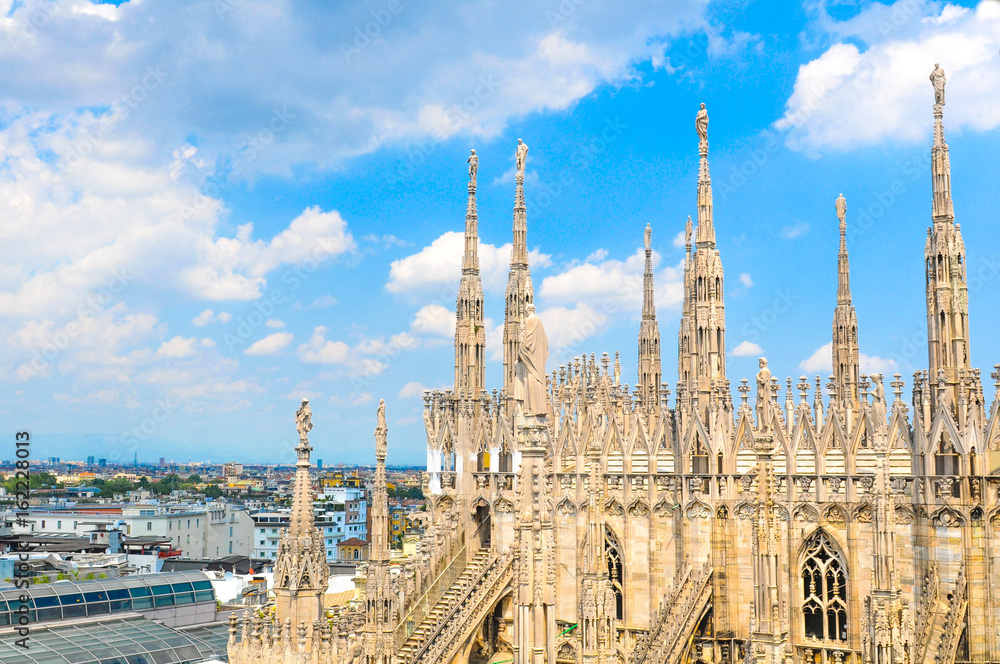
(615, 557)
(824, 588)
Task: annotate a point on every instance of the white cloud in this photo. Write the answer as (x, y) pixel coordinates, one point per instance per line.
(320, 351)
(204, 318)
(614, 282)
(415, 390)
(270, 344)
(821, 362)
(850, 97)
(679, 239)
(792, 231)
(434, 319)
(748, 349)
(274, 324)
(872, 364)
(208, 316)
(440, 265)
(323, 301)
(746, 280)
(353, 399)
(177, 348)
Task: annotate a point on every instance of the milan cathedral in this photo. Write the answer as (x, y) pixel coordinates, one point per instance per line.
(577, 519)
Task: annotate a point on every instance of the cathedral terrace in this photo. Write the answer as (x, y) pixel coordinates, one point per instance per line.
(575, 518)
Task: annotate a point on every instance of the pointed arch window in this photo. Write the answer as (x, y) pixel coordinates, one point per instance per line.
(506, 462)
(824, 589)
(947, 461)
(616, 571)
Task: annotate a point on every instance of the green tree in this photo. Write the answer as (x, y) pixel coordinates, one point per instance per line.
(212, 491)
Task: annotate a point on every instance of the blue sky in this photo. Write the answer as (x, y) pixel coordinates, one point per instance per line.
(211, 209)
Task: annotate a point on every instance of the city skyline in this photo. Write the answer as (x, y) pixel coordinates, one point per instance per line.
(176, 326)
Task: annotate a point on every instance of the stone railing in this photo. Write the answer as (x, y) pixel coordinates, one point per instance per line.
(820, 652)
(471, 607)
(448, 551)
(675, 617)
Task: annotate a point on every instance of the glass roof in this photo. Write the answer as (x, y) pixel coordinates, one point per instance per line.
(133, 640)
(98, 585)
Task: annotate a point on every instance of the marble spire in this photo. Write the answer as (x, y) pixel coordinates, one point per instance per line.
(649, 334)
(301, 573)
(846, 356)
(470, 328)
(380, 600)
(947, 290)
(702, 334)
(520, 292)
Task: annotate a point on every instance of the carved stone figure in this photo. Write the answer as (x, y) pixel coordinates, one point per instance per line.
(303, 421)
(842, 209)
(521, 156)
(701, 123)
(764, 395)
(473, 167)
(878, 401)
(533, 351)
(648, 240)
(938, 80)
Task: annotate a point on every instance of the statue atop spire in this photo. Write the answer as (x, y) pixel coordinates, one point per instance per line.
(380, 432)
(521, 157)
(303, 421)
(473, 168)
(938, 80)
(701, 124)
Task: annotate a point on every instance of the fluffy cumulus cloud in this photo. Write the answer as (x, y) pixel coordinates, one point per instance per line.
(437, 267)
(748, 349)
(434, 319)
(415, 390)
(821, 363)
(271, 344)
(614, 283)
(855, 95)
(331, 80)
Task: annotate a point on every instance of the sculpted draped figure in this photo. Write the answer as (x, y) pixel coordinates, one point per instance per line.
(521, 156)
(303, 421)
(533, 351)
(701, 123)
(764, 396)
(842, 208)
(648, 240)
(938, 80)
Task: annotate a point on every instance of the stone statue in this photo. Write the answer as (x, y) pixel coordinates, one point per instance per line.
(533, 351)
(688, 228)
(521, 156)
(701, 123)
(303, 421)
(764, 396)
(938, 80)
(878, 401)
(649, 237)
(380, 430)
(473, 167)
(842, 209)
